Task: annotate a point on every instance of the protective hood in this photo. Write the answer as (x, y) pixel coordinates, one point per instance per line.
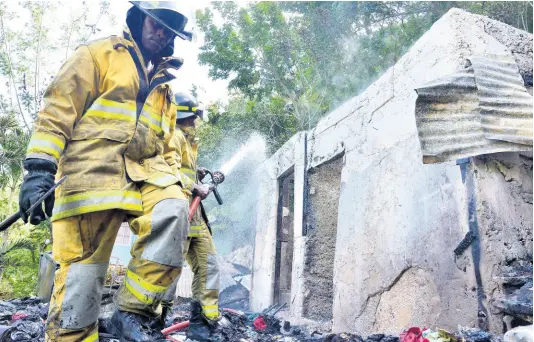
(189, 132)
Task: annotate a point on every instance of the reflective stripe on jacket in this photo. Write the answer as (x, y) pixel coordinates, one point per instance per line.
(186, 159)
(105, 126)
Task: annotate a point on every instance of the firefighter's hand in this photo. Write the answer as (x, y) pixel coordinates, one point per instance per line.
(201, 173)
(37, 182)
(201, 190)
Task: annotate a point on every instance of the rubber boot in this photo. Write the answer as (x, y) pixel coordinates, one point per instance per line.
(198, 328)
(132, 327)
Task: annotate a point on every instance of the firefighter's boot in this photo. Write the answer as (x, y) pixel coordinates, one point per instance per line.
(199, 329)
(132, 327)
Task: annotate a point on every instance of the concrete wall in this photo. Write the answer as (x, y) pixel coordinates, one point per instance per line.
(287, 158)
(398, 220)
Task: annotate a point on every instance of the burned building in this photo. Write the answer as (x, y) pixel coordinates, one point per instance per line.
(360, 220)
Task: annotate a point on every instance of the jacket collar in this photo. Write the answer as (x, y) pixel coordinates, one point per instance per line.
(188, 131)
(131, 41)
(161, 72)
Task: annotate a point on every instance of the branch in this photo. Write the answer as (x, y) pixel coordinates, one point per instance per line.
(37, 56)
(93, 27)
(11, 74)
(396, 16)
(72, 29)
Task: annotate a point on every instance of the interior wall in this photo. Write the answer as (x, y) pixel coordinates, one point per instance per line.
(321, 221)
(503, 191)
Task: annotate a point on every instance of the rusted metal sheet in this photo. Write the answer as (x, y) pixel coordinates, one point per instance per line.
(482, 109)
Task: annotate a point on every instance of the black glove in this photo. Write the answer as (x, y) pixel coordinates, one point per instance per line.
(40, 179)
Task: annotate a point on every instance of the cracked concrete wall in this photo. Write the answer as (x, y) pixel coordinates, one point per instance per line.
(399, 220)
(408, 301)
(396, 213)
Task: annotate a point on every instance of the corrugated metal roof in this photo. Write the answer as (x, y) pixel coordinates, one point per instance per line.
(479, 110)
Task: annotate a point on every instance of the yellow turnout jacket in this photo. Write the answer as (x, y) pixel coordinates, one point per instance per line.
(107, 123)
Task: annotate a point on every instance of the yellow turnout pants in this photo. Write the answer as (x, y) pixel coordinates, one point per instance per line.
(82, 246)
(202, 257)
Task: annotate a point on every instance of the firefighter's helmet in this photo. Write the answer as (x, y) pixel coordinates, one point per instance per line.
(174, 15)
(187, 106)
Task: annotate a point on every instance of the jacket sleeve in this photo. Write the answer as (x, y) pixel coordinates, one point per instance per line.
(188, 183)
(170, 147)
(65, 100)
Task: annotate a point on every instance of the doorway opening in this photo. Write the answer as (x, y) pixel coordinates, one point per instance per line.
(284, 239)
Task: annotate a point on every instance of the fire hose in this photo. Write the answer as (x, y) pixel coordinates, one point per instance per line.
(217, 177)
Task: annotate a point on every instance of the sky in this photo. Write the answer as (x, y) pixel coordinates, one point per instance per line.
(191, 72)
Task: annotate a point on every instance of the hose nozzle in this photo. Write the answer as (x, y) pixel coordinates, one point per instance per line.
(218, 177)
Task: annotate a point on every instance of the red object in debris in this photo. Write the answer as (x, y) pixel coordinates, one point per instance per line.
(414, 334)
(175, 327)
(18, 316)
(259, 323)
(233, 311)
(170, 338)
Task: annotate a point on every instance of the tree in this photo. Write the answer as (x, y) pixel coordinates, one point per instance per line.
(289, 63)
(31, 51)
(13, 142)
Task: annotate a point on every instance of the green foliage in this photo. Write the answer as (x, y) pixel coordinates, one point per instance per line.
(29, 58)
(13, 142)
(18, 266)
(289, 63)
(21, 274)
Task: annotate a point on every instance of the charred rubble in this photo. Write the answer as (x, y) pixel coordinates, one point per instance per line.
(24, 319)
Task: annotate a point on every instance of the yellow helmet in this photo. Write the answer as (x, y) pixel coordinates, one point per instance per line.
(187, 106)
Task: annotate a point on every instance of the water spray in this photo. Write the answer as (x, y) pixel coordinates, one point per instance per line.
(256, 144)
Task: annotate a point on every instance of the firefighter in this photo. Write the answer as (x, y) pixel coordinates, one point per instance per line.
(199, 250)
(108, 124)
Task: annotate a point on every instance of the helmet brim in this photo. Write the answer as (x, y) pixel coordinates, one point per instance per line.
(178, 33)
